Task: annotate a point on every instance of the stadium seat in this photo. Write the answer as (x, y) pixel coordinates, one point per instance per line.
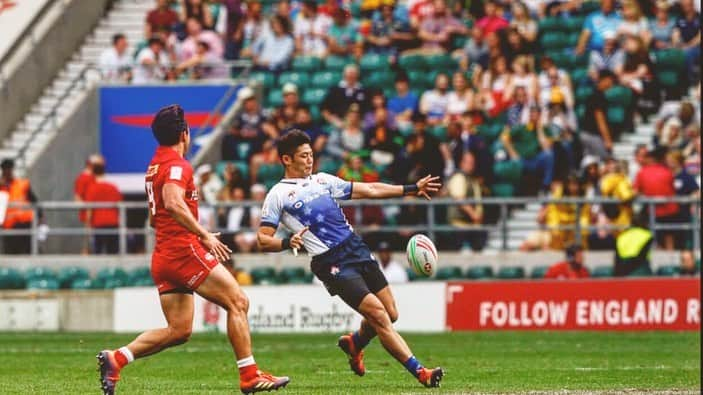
(669, 271)
(582, 93)
(511, 273)
(645, 271)
(114, 282)
(668, 79)
(440, 63)
(419, 80)
(619, 95)
(573, 23)
(111, 277)
(671, 59)
(379, 79)
(300, 78)
(479, 273)
(490, 131)
(439, 131)
(579, 75)
(307, 63)
(503, 190)
(550, 24)
(337, 63)
(142, 282)
(269, 174)
(329, 166)
(82, 284)
(289, 273)
(508, 171)
(449, 273)
(46, 283)
(554, 40)
(11, 278)
(274, 98)
(602, 271)
(372, 62)
(412, 62)
(67, 275)
(263, 273)
(266, 79)
(314, 97)
(138, 274)
(538, 272)
(325, 79)
(39, 272)
(241, 165)
(315, 113)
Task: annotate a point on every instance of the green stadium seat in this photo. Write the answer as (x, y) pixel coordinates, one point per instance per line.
(274, 98)
(508, 171)
(142, 282)
(301, 79)
(538, 272)
(579, 75)
(668, 79)
(449, 273)
(11, 278)
(325, 79)
(490, 131)
(554, 40)
(582, 93)
(290, 273)
(262, 273)
(412, 62)
(459, 41)
(578, 61)
(560, 58)
(315, 113)
(114, 282)
(602, 271)
(669, 271)
(673, 58)
(138, 274)
(379, 80)
(307, 63)
(34, 273)
(299, 280)
(266, 79)
(337, 63)
(269, 174)
(550, 24)
(574, 23)
(616, 115)
(82, 284)
(374, 62)
(572, 39)
(439, 131)
(111, 277)
(588, 7)
(314, 97)
(329, 166)
(442, 62)
(479, 273)
(511, 272)
(644, 271)
(619, 95)
(67, 275)
(241, 165)
(45, 283)
(503, 190)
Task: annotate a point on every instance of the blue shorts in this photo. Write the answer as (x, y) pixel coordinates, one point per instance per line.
(349, 270)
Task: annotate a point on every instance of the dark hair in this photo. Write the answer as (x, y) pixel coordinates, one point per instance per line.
(572, 249)
(117, 37)
(7, 164)
(98, 169)
(168, 124)
(284, 22)
(418, 117)
(204, 44)
(402, 76)
(288, 144)
(605, 73)
(155, 40)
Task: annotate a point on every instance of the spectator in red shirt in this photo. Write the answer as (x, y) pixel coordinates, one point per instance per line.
(655, 179)
(492, 22)
(572, 268)
(103, 218)
(160, 18)
(83, 181)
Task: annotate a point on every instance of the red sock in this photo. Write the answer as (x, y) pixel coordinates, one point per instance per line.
(248, 372)
(121, 359)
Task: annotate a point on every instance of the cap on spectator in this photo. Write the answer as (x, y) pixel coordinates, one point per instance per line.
(258, 188)
(203, 169)
(589, 160)
(384, 246)
(289, 87)
(245, 93)
(663, 4)
(7, 164)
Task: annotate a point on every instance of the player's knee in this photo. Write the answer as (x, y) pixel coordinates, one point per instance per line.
(377, 317)
(240, 304)
(180, 335)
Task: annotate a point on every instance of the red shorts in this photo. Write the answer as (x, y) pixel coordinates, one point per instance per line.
(184, 273)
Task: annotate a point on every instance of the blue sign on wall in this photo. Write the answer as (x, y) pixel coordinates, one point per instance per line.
(126, 113)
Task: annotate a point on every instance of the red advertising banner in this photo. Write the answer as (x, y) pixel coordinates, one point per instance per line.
(614, 304)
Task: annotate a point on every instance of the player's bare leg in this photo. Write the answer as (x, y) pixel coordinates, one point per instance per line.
(222, 289)
(354, 343)
(178, 310)
(377, 317)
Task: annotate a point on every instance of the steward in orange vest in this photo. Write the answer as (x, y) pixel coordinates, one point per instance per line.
(19, 191)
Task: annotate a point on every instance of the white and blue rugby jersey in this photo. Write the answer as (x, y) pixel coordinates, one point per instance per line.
(300, 202)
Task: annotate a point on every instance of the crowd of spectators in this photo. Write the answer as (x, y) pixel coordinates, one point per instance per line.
(515, 98)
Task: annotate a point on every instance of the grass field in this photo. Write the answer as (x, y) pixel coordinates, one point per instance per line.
(505, 362)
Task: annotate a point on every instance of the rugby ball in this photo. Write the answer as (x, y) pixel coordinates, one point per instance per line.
(422, 255)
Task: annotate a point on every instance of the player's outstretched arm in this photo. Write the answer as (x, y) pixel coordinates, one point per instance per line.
(269, 243)
(378, 190)
(175, 204)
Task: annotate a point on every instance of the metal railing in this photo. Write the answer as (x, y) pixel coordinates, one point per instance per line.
(432, 226)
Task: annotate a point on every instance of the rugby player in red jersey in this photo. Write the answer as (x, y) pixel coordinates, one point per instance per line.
(185, 260)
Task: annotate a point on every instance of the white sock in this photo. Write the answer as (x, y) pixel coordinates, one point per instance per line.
(244, 362)
(128, 354)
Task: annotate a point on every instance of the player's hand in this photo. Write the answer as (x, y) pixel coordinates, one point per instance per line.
(428, 185)
(296, 241)
(217, 248)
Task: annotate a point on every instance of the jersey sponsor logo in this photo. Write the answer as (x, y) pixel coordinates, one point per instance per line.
(176, 173)
(152, 170)
(194, 194)
(195, 278)
(298, 204)
(291, 195)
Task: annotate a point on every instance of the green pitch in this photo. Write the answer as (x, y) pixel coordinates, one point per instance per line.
(506, 362)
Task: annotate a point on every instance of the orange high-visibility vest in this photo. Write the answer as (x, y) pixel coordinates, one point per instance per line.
(19, 188)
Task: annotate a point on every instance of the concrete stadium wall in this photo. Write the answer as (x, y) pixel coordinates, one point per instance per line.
(32, 68)
(53, 173)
